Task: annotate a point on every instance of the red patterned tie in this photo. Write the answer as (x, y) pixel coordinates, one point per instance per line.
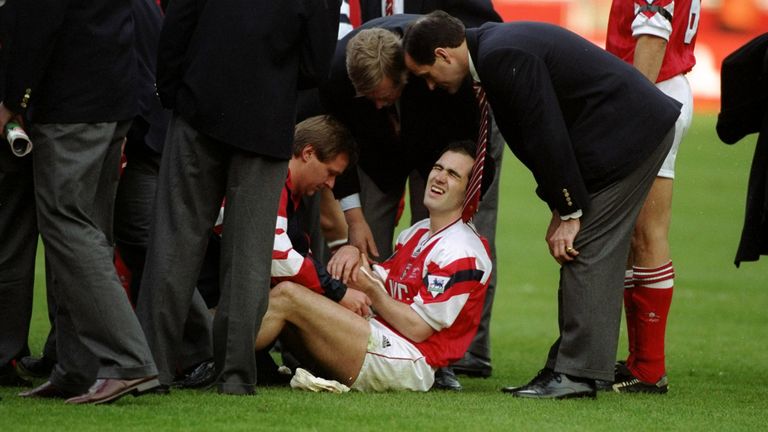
(354, 13)
(472, 199)
(389, 7)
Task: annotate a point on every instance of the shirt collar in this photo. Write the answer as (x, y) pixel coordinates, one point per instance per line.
(472, 70)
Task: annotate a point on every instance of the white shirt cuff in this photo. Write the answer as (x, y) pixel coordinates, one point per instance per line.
(350, 202)
(575, 215)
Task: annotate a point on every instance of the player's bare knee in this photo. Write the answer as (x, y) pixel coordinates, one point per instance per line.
(286, 293)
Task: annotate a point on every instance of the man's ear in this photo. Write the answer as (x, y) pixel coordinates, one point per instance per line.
(307, 152)
(442, 53)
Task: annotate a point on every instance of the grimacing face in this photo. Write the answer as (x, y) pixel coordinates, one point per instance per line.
(447, 182)
(444, 72)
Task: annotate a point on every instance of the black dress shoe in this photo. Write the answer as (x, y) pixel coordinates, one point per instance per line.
(472, 365)
(10, 378)
(202, 376)
(268, 373)
(558, 386)
(48, 391)
(543, 376)
(36, 367)
(445, 379)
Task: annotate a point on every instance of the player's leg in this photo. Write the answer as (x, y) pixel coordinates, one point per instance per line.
(334, 336)
(650, 296)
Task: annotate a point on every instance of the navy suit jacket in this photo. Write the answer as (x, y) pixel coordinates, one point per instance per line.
(72, 61)
(473, 13)
(429, 120)
(233, 68)
(744, 110)
(577, 116)
(152, 122)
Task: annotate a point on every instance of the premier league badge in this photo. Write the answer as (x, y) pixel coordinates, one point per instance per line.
(436, 284)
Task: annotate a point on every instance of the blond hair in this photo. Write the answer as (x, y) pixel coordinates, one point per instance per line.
(373, 54)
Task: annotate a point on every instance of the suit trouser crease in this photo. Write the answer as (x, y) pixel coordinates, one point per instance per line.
(76, 173)
(195, 174)
(591, 287)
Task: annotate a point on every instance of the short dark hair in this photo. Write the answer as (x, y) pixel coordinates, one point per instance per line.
(469, 148)
(328, 136)
(435, 30)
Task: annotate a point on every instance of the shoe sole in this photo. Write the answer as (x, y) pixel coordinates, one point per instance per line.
(580, 395)
(472, 372)
(135, 390)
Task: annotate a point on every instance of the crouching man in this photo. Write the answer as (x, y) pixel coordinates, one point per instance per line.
(428, 297)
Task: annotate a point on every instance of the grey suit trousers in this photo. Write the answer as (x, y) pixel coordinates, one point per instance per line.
(18, 246)
(591, 287)
(196, 172)
(76, 168)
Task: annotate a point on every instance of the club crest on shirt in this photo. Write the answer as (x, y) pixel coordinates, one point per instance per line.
(436, 284)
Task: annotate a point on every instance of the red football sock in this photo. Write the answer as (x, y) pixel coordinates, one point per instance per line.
(629, 311)
(652, 297)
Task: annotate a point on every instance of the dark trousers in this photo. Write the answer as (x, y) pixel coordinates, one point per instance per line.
(18, 246)
(134, 210)
(196, 172)
(76, 169)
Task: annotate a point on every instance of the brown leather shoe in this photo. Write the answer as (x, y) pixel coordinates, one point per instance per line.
(107, 390)
(47, 390)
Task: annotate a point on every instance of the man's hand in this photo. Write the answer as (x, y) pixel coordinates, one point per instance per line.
(560, 237)
(360, 234)
(367, 280)
(344, 263)
(357, 302)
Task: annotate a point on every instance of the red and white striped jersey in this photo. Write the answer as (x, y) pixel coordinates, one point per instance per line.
(291, 258)
(677, 21)
(443, 277)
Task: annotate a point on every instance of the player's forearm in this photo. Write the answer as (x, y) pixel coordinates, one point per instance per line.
(649, 55)
(400, 316)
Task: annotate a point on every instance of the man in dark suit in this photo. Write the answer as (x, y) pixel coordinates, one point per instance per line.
(18, 231)
(231, 73)
(74, 76)
(594, 132)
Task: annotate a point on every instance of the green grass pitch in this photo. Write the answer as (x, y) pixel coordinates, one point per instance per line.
(716, 343)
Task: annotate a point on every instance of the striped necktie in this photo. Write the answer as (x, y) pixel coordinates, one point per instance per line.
(472, 198)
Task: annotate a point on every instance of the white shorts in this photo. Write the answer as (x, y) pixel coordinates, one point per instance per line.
(392, 363)
(678, 88)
